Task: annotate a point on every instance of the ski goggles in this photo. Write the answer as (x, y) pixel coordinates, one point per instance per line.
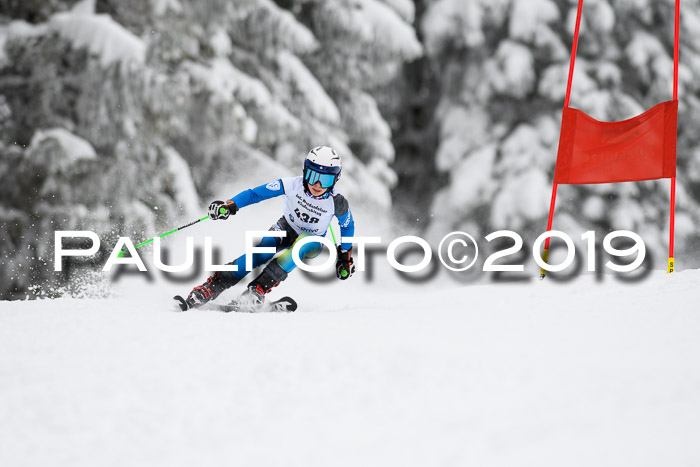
(314, 174)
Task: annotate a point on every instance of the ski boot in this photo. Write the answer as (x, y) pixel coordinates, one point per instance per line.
(254, 296)
(208, 291)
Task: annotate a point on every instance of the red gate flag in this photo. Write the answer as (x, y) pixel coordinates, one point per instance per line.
(641, 148)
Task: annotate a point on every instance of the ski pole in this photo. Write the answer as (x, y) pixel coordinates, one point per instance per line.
(222, 210)
(121, 253)
(344, 273)
(333, 235)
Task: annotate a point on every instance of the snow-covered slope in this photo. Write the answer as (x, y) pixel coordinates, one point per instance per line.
(540, 374)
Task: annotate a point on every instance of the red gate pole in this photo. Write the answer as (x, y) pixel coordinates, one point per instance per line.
(673, 179)
(574, 46)
(545, 252)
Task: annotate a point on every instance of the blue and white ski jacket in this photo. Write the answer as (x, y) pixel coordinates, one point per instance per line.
(303, 212)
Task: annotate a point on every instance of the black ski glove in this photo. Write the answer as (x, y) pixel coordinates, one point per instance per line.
(344, 267)
(221, 210)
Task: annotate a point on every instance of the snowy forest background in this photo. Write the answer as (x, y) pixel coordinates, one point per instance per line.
(124, 117)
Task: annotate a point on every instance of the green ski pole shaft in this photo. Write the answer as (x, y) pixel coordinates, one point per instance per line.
(222, 210)
(333, 235)
(121, 253)
(173, 231)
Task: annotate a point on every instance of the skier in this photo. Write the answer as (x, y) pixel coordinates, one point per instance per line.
(311, 201)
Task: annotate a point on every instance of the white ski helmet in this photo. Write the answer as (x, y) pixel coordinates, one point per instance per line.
(322, 164)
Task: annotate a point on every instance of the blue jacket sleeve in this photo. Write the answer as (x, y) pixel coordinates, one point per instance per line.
(347, 228)
(257, 194)
(345, 220)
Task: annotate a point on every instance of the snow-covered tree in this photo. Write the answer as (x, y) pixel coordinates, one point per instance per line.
(168, 100)
(503, 69)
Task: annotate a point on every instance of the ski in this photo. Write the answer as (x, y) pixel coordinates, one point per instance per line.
(182, 303)
(284, 304)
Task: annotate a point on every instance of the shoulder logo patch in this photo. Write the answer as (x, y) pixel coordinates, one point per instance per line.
(273, 186)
